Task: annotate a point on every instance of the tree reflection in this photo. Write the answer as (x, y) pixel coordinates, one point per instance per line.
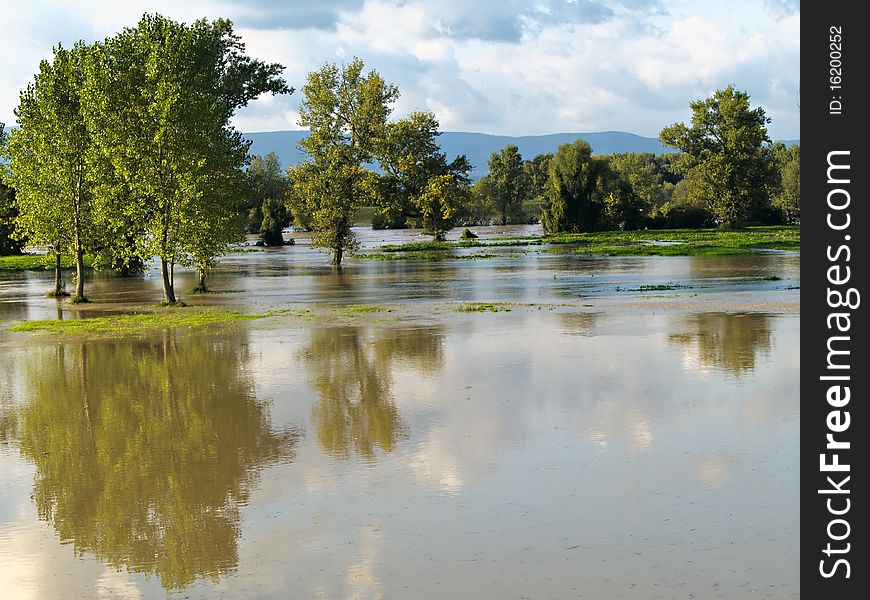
(731, 342)
(352, 372)
(145, 451)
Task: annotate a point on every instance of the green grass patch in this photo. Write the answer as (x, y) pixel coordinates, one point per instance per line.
(135, 323)
(38, 262)
(484, 307)
(684, 242)
(364, 308)
(421, 255)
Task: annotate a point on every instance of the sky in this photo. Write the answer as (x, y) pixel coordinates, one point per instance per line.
(506, 67)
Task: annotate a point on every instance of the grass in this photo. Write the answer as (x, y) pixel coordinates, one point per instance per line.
(38, 262)
(135, 323)
(684, 242)
(420, 255)
(484, 307)
(662, 242)
(364, 308)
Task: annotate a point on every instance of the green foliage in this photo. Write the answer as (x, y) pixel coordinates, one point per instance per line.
(346, 113)
(576, 191)
(788, 195)
(413, 163)
(275, 218)
(267, 185)
(160, 99)
(11, 240)
(509, 184)
(52, 163)
(726, 157)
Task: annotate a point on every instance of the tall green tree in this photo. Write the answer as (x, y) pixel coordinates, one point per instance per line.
(578, 185)
(726, 156)
(162, 95)
(509, 183)
(346, 112)
(50, 162)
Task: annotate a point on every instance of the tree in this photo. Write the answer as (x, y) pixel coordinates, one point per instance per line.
(50, 161)
(267, 213)
(162, 95)
(538, 172)
(788, 196)
(509, 183)
(576, 190)
(726, 156)
(411, 159)
(346, 113)
(10, 243)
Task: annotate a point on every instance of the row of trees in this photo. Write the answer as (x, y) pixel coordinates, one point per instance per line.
(727, 172)
(125, 151)
(124, 146)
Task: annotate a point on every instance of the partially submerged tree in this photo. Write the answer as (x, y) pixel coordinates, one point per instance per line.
(346, 112)
(50, 161)
(162, 95)
(509, 184)
(576, 190)
(726, 156)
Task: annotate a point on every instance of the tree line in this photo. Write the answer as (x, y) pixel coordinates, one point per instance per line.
(125, 151)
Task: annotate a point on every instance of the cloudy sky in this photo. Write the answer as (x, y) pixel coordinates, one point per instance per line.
(506, 67)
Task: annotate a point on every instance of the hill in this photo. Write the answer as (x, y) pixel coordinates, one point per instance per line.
(479, 146)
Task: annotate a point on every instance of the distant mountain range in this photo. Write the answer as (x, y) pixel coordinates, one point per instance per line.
(479, 146)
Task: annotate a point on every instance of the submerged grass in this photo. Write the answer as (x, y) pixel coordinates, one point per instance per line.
(484, 307)
(684, 242)
(135, 323)
(660, 242)
(364, 308)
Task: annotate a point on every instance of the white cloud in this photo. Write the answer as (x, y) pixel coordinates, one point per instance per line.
(497, 67)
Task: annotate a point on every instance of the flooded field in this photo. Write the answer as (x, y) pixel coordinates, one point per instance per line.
(538, 424)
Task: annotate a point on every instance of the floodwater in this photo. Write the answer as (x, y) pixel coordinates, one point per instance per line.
(597, 440)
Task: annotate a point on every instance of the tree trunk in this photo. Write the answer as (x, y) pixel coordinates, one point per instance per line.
(58, 278)
(337, 254)
(504, 214)
(80, 276)
(168, 286)
(202, 274)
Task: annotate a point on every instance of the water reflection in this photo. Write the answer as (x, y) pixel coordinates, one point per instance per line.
(351, 368)
(730, 342)
(145, 450)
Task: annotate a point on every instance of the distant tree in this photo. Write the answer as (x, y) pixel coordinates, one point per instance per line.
(788, 196)
(438, 203)
(50, 162)
(269, 186)
(9, 239)
(538, 171)
(162, 96)
(411, 159)
(575, 193)
(509, 183)
(346, 113)
(275, 218)
(726, 156)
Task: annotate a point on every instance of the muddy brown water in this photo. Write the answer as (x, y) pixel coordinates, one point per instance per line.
(601, 439)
